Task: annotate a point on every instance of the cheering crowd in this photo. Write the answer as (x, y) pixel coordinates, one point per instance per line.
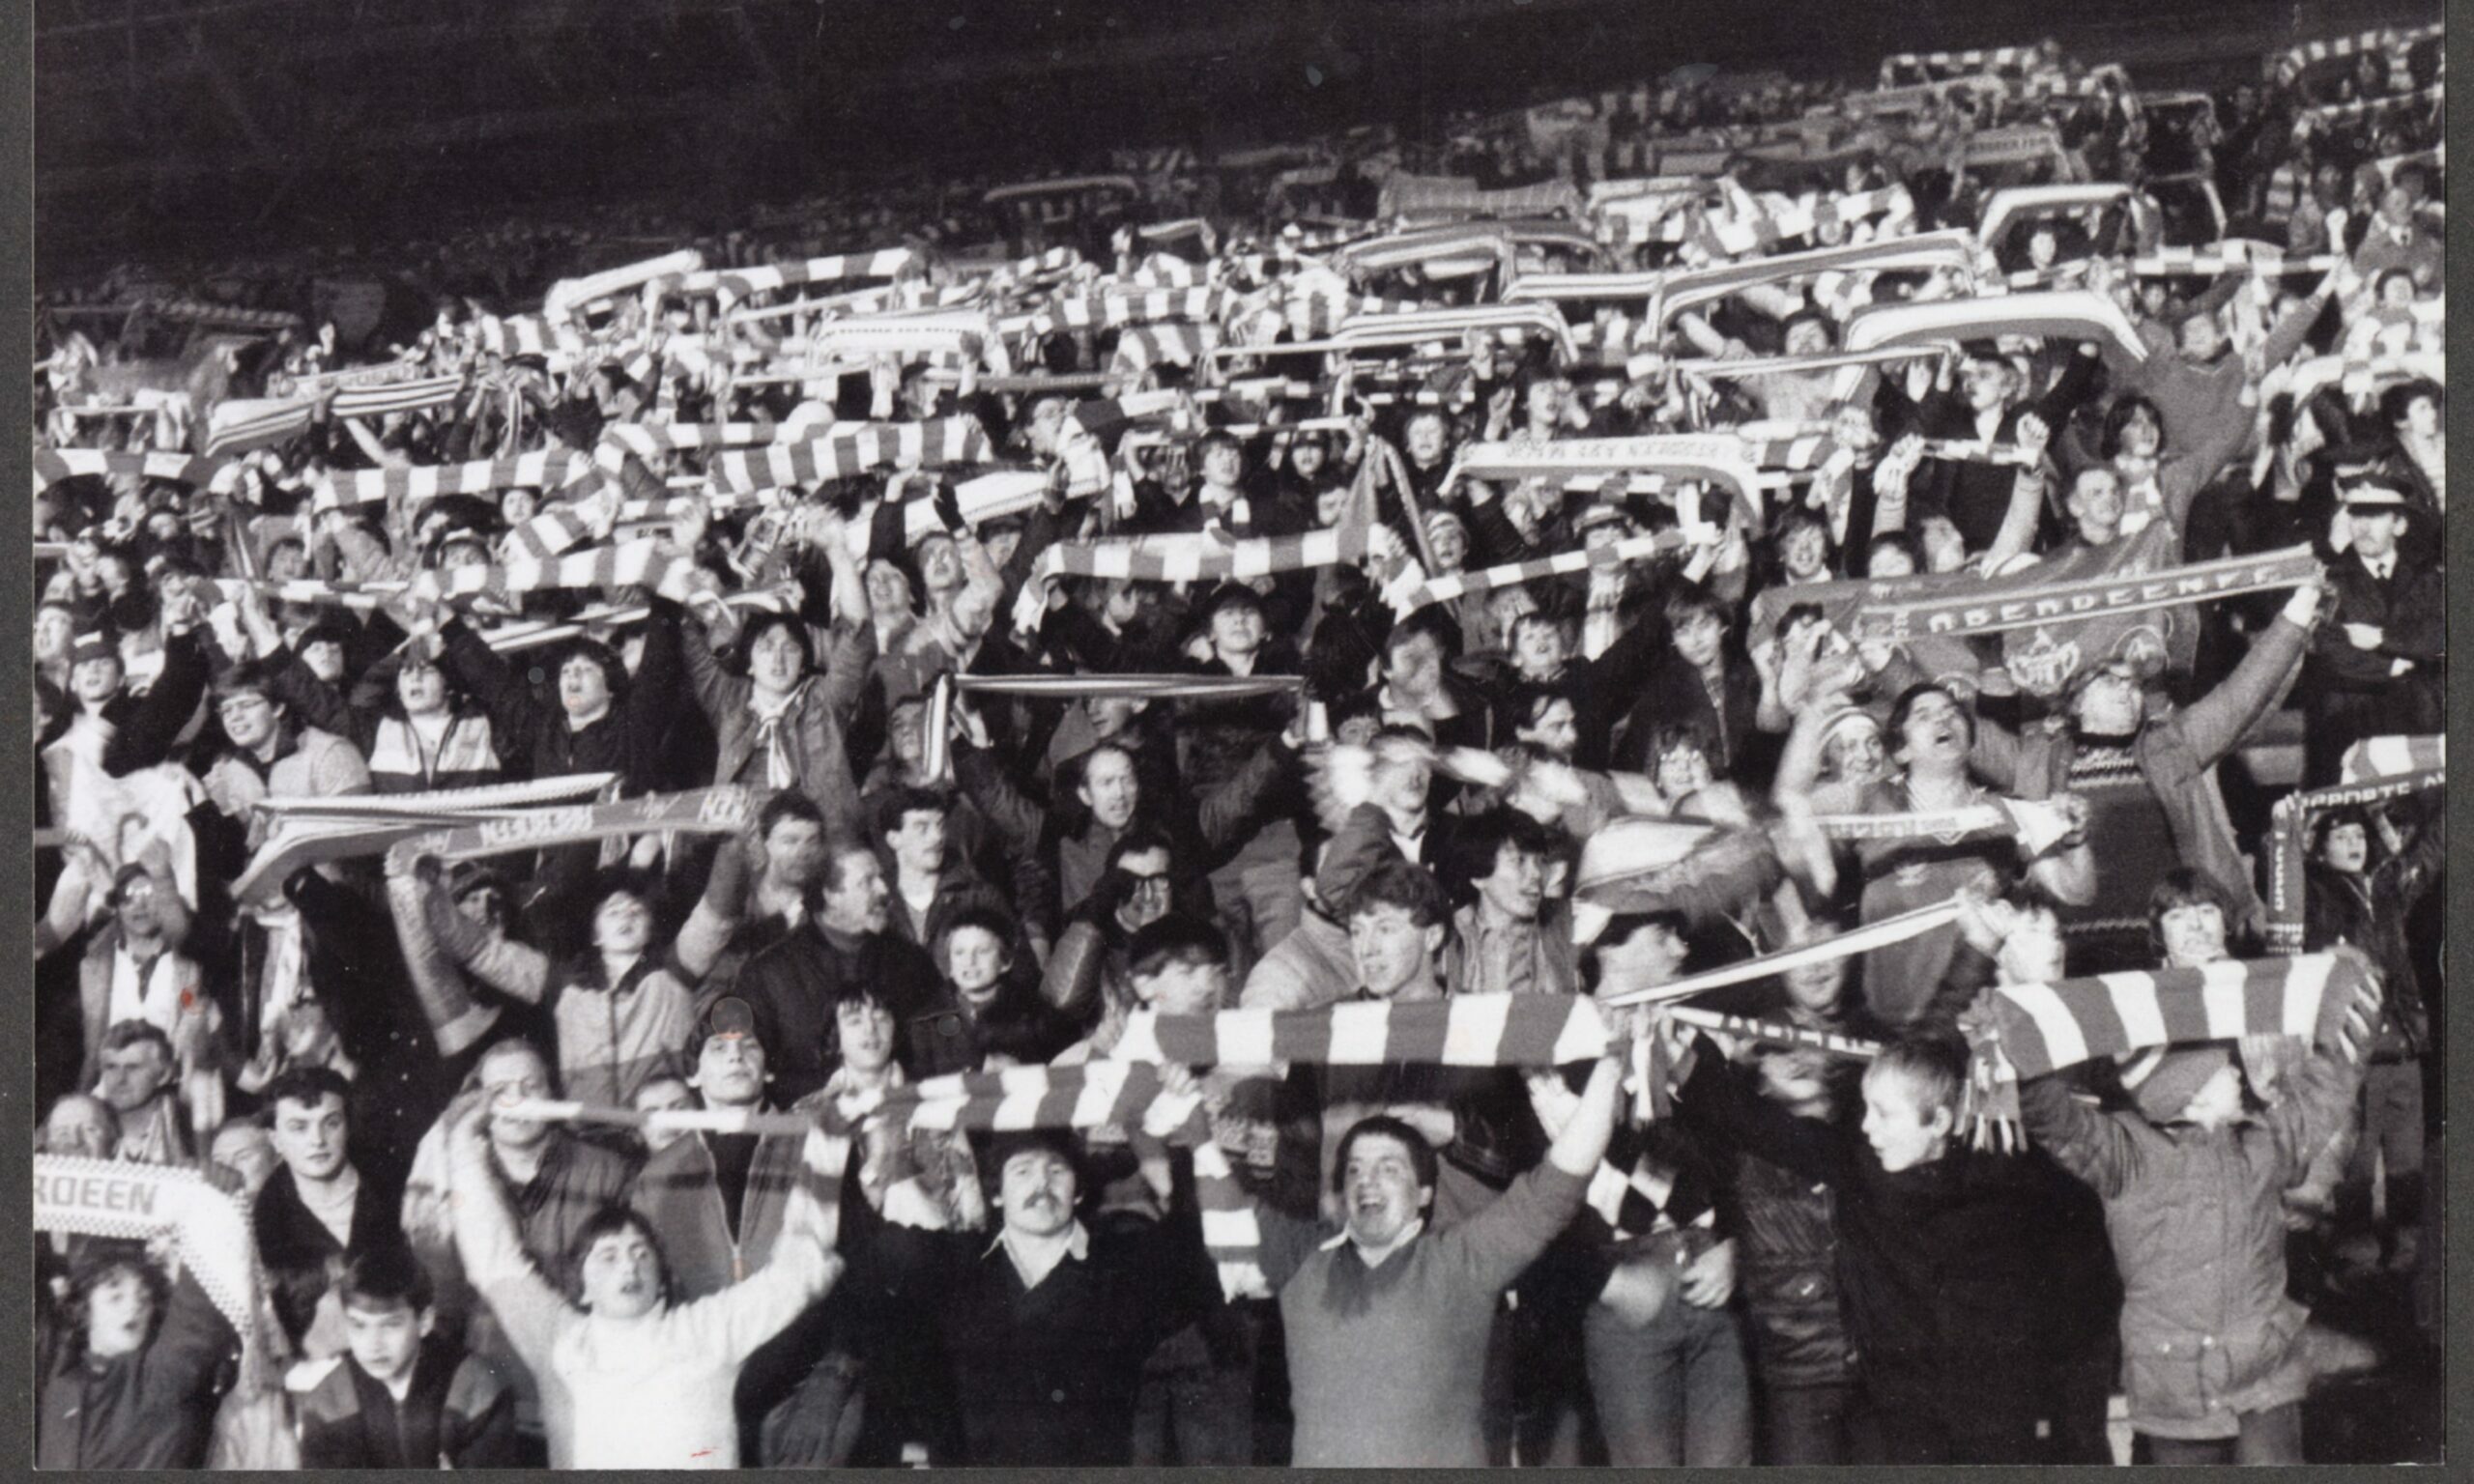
(1447, 801)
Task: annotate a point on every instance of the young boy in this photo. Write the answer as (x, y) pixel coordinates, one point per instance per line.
(402, 1396)
(1937, 1249)
(2192, 1183)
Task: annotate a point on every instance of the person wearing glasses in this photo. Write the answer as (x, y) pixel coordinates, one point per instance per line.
(1143, 881)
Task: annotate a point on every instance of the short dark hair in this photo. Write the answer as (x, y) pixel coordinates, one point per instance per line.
(763, 620)
(1404, 884)
(789, 804)
(1060, 1142)
(1217, 438)
(1687, 600)
(2398, 400)
(613, 671)
(1906, 703)
(1172, 940)
(2118, 417)
(383, 1276)
(2328, 819)
(1478, 847)
(612, 1220)
(2183, 887)
(839, 848)
(1896, 540)
(1428, 622)
(1621, 927)
(249, 677)
(307, 1086)
(1528, 702)
(1422, 1156)
(907, 800)
(122, 1034)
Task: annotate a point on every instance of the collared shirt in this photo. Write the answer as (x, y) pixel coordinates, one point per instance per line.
(153, 995)
(1032, 1269)
(1408, 1235)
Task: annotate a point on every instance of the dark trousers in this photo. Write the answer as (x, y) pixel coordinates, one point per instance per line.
(1201, 1412)
(1895, 1430)
(2270, 1436)
(1808, 1424)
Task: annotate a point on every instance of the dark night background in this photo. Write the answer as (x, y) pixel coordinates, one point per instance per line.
(258, 120)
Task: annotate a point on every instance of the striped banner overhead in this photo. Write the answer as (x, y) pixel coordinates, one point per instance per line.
(1452, 585)
(1564, 287)
(1951, 63)
(1374, 331)
(738, 283)
(2379, 758)
(1931, 250)
(1412, 195)
(902, 334)
(528, 334)
(309, 831)
(396, 396)
(2015, 201)
(544, 470)
(2044, 1028)
(1456, 252)
(652, 564)
(935, 444)
(647, 440)
(2388, 39)
(1182, 558)
(1717, 457)
(2232, 253)
(1140, 347)
(938, 726)
(213, 315)
(241, 424)
(1111, 307)
(2077, 314)
(1463, 1030)
(53, 465)
(571, 293)
(2366, 107)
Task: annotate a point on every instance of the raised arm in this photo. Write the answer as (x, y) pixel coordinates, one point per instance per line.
(2096, 1147)
(1507, 1237)
(492, 1251)
(2216, 724)
(1710, 1100)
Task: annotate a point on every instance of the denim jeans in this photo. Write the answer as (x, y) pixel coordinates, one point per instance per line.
(1672, 1391)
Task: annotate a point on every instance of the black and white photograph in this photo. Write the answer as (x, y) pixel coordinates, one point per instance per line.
(1364, 733)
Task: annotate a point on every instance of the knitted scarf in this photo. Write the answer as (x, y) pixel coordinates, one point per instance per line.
(2019, 1031)
(2372, 770)
(133, 1201)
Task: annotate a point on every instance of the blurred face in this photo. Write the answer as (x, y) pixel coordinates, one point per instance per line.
(584, 689)
(2218, 1103)
(1426, 439)
(120, 1311)
(1856, 752)
(1807, 338)
(324, 659)
(888, 591)
(1307, 458)
(82, 1126)
(1380, 1190)
(130, 1078)
(1184, 989)
(2194, 934)
(975, 960)
(1036, 1192)
(2141, 434)
(1556, 732)
(1450, 543)
(1546, 402)
(1697, 640)
(621, 1277)
(906, 732)
(517, 507)
(623, 925)
(730, 1071)
(385, 1341)
(422, 689)
(2096, 503)
(1237, 629)
(1683, 770)
(2042, 248)
(287, 562)
(1148, 887)
(857, 903)
(1888, 562)
(1816, 989)
(2200, 338)
(1516, 888)
(2032, 953)
(509, 1077)
(1986, 384)
(1109, 788)
(1415, 665)
(1389, 948)
(246, 1150)
(2397, 290)
(53, 630)
(1537, 649)
(919, 843)
(1804, 553)
(1402, 775)
(1222, 465)
(1902, 1135)
(774, 662)
(794, 853)
(309, 1137)
(941, 566)
(2347, 847)
(141, 908)
(2375, 532)
(2422, 418)
(663, 1095)
(1853, 428)
(1650, 955)
(248, 719)
(2109, 705)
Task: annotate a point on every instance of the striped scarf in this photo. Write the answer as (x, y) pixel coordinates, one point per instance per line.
(935, 444)
(652, 564)
(2021, 1031)
(547, 469)
(1451, 586)
(2372, 770)
(937, 724)
(125, 1201)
